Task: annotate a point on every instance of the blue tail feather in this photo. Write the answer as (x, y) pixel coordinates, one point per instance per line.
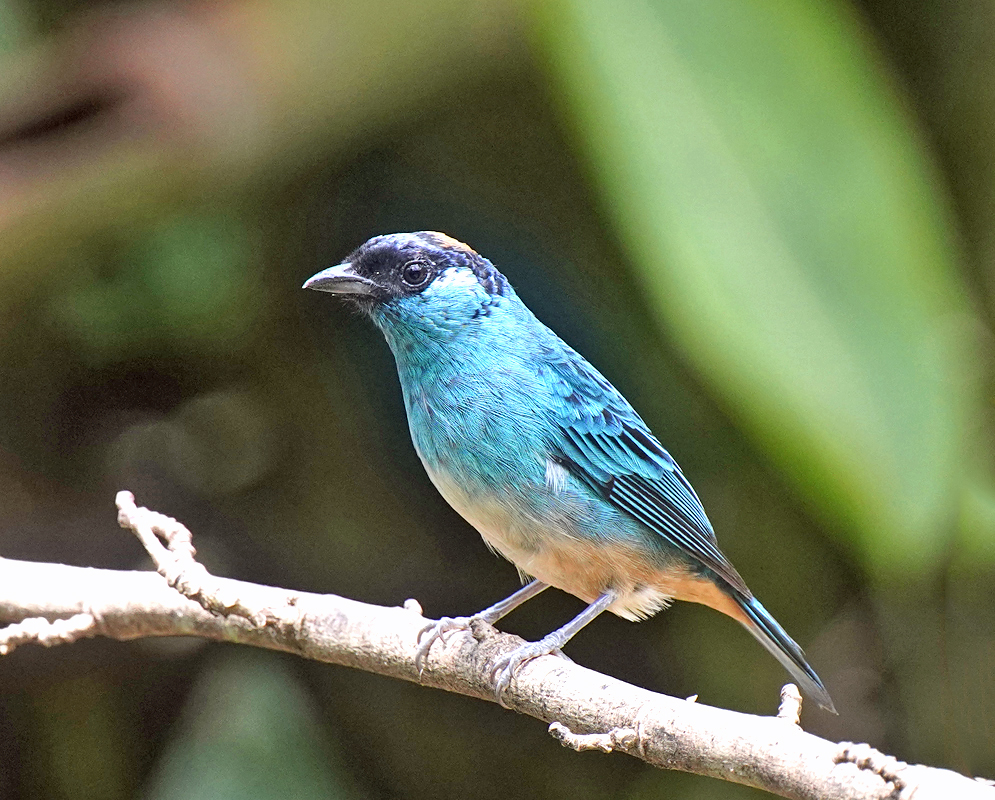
(777, 642)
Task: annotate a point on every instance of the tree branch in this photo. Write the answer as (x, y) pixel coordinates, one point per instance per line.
(52, 603)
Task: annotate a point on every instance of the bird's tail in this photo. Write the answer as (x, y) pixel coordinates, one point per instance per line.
(772, 636)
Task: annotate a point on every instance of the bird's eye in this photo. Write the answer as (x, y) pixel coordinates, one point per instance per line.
(414, 274)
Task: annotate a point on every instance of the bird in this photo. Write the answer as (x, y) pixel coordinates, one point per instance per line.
(534, 447)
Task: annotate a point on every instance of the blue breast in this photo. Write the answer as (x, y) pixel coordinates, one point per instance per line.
(484, 410)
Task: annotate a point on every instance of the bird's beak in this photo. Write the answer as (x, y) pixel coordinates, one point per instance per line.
(341, 279)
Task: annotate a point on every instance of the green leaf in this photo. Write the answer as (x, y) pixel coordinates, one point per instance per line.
(977, 521)
(14, 26)
(200, 271)
(249, 732)
(190, 284)
(790, 235)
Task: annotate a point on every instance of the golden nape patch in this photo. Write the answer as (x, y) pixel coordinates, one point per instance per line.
(444, 240)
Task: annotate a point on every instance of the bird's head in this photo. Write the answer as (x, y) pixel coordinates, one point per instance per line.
(424, 281)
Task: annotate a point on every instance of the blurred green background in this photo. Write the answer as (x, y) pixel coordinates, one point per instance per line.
(772, 225)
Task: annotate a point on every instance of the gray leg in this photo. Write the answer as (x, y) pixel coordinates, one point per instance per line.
(509, 604)
(430, 633)
(507, 665)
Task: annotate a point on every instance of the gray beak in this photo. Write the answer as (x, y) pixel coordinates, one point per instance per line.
(341, 279)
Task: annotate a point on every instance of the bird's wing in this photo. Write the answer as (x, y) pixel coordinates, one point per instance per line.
(607, 445)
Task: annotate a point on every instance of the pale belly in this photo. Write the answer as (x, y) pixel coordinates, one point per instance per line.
(552, 551)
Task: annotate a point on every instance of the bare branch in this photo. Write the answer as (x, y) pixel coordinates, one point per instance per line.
(790, 709)
(605, 742)
(175, 561)
(40, 631)
(51, 603)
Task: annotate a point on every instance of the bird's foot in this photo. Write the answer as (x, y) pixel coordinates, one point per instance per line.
(434, 631)
(506, 666)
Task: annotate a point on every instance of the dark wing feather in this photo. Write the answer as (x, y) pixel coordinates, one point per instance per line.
(608, 446)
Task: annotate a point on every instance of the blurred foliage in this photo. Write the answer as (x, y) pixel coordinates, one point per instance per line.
(769, 224)
(781, 212)
(12, 26)
(191, 280)
(249, 733)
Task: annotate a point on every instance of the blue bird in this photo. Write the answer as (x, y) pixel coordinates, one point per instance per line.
(540, 453)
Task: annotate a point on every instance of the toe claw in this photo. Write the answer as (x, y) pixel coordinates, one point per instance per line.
(433, 632)
(506, 666)
(423, 631)
(501, 684)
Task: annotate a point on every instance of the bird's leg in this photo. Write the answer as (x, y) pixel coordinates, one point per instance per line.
(507, 665)
(436, 630)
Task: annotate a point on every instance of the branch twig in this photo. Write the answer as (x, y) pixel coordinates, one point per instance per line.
(52, 603)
